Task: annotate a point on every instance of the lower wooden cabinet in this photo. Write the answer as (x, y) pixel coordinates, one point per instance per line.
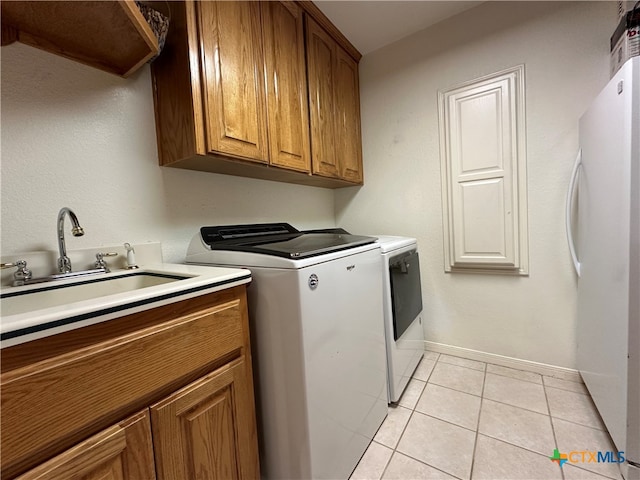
(123, 451)
(203, 431)
(166, 393)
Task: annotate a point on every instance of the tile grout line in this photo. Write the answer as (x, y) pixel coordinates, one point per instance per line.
(518, 406)
(601, 428)
(556, 375)
(475, 442)
(516, 378)
(485, 372)
(463, 366)
(519, 447)
(431, 466)
(553, 428)
(386, 464)
(491, 399)
(455, 389)
(567, 390)
(413, 410)
(604, 430)
(501, 440)
(548, 414)
(601, 475)
(444, 421)
(396, 446)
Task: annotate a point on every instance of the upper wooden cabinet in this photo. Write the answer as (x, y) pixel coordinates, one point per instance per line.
(347, 114)
(233, 80)
(231, 95)
(321, 53)
(283, 33)
(254, 79)
(334, 99)
(112, 36)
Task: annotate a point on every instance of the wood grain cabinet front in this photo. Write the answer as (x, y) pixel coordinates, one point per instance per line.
(204, 431)
(232, 95)
(232, 79)
(110, 36)
(334, 99)
(121, 452)
(233, 83)
(185, 366)
(286, 83)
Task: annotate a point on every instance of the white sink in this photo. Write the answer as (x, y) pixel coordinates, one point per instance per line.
(35, 311)
(52, 295)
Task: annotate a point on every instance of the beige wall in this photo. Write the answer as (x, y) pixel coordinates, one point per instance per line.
(75, 136)
(564, 47)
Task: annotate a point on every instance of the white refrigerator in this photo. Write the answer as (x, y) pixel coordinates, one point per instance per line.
(606, 255)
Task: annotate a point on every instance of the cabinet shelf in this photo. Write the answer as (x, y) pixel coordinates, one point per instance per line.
(111, 36)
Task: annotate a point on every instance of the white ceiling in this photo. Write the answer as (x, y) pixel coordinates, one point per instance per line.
(370, 25)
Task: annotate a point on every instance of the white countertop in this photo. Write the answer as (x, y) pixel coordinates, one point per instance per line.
(42, 322)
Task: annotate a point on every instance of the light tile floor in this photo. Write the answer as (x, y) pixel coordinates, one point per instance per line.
(464, 419)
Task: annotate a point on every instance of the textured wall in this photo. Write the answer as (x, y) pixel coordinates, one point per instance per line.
(564, 47)
(75, 136)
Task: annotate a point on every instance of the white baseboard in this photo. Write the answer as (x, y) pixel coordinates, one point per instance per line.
(527, 365)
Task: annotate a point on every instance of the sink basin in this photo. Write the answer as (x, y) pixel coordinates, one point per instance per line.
(31, 312)
(54, 295)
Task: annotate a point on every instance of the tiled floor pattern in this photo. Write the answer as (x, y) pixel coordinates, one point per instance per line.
(464, 419)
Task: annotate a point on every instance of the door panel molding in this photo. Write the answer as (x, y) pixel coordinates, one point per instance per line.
(483, 165)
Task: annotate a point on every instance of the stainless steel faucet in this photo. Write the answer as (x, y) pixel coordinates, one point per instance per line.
(64, 263)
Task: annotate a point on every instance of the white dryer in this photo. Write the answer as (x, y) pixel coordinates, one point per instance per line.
(318, 342)
(402, 310)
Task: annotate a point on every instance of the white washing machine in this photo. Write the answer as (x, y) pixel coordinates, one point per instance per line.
(402, 310)
(318, 342)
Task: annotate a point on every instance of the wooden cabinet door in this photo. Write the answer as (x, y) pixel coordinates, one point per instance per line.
(286, 81)
(347, 95)
(121, 452)
(207, 429)
(321, 67)
(233, 79)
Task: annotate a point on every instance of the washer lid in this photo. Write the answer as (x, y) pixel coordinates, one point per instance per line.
(278, 239)
(389, 243)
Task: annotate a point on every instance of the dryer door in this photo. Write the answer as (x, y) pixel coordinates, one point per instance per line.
(406, 291)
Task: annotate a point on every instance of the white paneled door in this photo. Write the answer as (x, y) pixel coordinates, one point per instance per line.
(484, 174)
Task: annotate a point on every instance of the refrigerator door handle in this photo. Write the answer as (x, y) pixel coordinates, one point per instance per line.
(568, 215)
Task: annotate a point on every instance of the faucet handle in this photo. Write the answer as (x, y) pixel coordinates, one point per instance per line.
(101, 263)
(20, 275)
